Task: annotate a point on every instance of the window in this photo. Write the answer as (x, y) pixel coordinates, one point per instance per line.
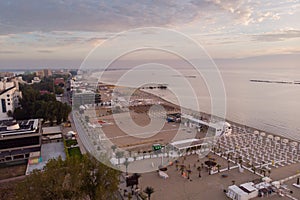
(8, 104)
(3, 105)
(7, 95)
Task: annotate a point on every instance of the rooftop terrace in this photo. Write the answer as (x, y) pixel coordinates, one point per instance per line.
(12, 127)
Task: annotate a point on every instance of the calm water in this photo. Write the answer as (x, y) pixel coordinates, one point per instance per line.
(272, 107)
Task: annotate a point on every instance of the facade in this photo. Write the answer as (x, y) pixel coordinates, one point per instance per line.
(51, 134)
(9, 97)
(86, 97)
(19, 139)
(7, 74)
(43, 73)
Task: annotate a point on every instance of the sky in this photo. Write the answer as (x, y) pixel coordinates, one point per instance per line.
(61, 33)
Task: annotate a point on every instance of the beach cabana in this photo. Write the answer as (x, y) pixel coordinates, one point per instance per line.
(236, 193)
(284, 141)
(271, 137)
(243, 192)
(277, 138)
(263, 134)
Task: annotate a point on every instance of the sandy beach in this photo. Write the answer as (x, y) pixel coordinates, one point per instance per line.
(206, 187)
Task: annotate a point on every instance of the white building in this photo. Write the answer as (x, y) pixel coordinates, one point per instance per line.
(217, 128)
(245, 191)
(9, 97)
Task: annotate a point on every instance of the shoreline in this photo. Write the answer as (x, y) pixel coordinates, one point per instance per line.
(247, 127)
(208, 115)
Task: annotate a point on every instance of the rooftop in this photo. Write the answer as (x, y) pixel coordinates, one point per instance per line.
(51, 130)
(6, 90)
(12, 127)
(48, 151)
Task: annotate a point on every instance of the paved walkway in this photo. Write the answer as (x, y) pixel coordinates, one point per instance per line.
(81, 146)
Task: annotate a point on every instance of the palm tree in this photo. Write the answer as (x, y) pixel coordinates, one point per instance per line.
(264, 172)
(228, 162)
(150, 152)
(218, 166)
(114, 147)
(254, 169)
(209, 170)
(168, 149)
(119, 154)
(126, 163)
(149, 190)
(182, 167)
(214, 150)
(137, 176)
(241, 161)
(189, 172)
(130, 153)
(199, 170)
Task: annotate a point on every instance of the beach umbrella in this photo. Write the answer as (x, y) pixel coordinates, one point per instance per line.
(293, 144)
(285, 141)
(271, 137)
(277, 138)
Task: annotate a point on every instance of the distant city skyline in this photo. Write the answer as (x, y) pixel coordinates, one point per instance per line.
(60, 34)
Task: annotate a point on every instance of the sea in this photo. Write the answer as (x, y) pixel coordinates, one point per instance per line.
(272, 105)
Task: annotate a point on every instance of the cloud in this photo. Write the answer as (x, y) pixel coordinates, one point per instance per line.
(9, 52)
(268, 15)
(277, 36)
(116, 15)
(90, 15)
(241, 10)
(45, 51)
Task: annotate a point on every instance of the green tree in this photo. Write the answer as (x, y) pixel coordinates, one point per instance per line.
(9, 113)
(149, 191)
(74, 178)
(35, 105)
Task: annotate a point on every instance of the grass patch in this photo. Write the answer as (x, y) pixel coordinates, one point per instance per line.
(74, 152)
(69, 143)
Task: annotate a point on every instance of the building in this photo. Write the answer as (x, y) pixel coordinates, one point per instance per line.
(7, 74)
(9, 97)
(51, 134)
(18, 139)
(245, 191)
(86, 97)
(43, 73)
